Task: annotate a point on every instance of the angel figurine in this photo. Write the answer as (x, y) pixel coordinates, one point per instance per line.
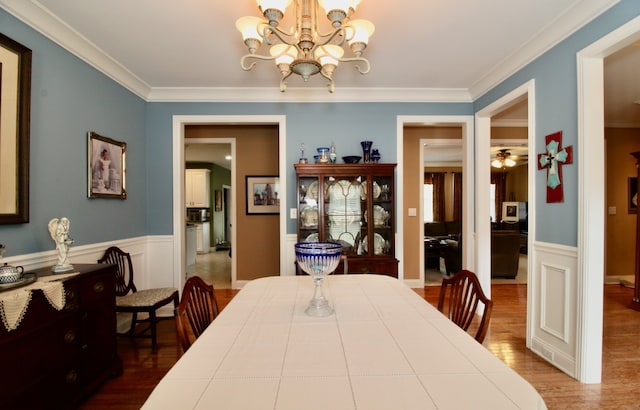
(59, 230)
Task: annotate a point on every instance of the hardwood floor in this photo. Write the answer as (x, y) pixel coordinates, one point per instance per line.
(506, 339)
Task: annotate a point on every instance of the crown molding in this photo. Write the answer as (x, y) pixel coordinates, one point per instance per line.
(308, 95)
(39, 18)
(547, 37)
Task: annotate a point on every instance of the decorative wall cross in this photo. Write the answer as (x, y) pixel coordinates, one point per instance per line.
(552, 160)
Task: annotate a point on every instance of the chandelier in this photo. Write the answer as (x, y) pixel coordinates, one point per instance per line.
(303, 49)
(503, 159)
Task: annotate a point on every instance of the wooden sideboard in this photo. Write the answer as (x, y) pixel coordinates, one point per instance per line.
(55, 359)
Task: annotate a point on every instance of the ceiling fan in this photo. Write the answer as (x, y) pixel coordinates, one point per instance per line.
(503, 159)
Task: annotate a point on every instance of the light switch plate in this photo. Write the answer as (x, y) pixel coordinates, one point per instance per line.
(412, 212)
(293, 213)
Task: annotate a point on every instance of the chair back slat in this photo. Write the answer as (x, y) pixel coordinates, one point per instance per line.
(124, 269)
(197, 309)
(460, 297)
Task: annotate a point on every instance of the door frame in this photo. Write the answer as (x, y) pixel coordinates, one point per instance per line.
(178, 164)
(466, 122)
(591, 196)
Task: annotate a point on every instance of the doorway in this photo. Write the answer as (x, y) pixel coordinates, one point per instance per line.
(178, 132)
(213, 259)
(411, 174)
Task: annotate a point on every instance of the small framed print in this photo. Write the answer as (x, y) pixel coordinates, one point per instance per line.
(106, 167)
(263, 195)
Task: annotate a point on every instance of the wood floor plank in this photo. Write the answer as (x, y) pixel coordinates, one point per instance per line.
(505, 339)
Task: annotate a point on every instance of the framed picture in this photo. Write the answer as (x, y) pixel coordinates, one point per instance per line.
(263, 195)
(106, 169)
(15, 107)
(633, 195)
(218, 200)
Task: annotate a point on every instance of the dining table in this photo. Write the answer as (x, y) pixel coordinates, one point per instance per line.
(383, 348)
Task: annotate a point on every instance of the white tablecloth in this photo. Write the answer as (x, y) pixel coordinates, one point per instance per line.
(384, 348)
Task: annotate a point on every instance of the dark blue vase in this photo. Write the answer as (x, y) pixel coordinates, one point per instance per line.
(366, 151)
(375, 156)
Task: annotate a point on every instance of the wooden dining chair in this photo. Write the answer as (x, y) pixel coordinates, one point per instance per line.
(131, 300)
(197, 309)
(459, 298)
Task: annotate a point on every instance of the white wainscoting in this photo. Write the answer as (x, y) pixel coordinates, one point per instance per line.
(290, 268)
(151, 256)
(554, 281)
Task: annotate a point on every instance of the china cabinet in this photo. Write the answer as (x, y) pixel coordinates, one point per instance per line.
(55, 359)
(352, 204)
(197, 188)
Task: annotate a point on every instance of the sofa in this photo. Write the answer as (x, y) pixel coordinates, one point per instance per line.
(505, 254)
(435, 233)
(441, 229)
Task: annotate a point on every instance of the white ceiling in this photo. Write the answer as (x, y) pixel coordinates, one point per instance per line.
(427, 50)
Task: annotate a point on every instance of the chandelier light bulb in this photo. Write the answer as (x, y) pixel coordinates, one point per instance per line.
(362, 30)
(329, 54)
(248, 26)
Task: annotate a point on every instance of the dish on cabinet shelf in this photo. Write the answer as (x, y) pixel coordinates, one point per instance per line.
(343, 190)
(376, 190)
(309, 216)
(312, 238)
(380, 216)
(379, 244)
(312, 192)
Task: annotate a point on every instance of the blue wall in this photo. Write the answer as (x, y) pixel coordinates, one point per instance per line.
(555, 75)
(314, 124)
(70, 98)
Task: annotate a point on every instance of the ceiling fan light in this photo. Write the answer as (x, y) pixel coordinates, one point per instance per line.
(509, 162)
(496, 163)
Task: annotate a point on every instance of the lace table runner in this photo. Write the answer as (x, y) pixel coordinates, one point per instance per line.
(14, 303)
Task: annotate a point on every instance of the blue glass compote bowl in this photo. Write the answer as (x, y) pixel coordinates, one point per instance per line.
(318, 259)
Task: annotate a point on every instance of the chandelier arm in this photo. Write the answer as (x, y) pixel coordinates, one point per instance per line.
(281, 35)
(324, 39)
(283, 84)
(256, 56)
(358, 60)
(331, 85)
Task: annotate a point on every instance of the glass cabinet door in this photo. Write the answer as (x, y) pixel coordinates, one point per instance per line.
(381, 218)
(343, 210)
(308, 210)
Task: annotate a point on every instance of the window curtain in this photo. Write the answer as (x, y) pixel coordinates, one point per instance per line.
(437, 180)
(457, 196)
(499, 179)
